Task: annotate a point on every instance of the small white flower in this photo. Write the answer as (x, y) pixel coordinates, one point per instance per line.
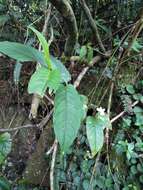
(101, 110)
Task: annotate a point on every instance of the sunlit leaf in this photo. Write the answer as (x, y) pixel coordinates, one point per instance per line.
(38, 83)
(44, 44)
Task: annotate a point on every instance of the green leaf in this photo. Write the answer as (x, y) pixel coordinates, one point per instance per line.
(21, 52)
(54, 80)
(42, 79)
(95, 135)
(17, 70)
(83, 52)
(130, 89)
(140, 167)
(108, 182)
(137, 109)
(44, 44)
(5, 146)
(38, 83)
(130, 150)
(67, 115)
(141, 179)
(133, 169)
(89, 54)
(139, 119)
(139, 115)
(57, 64)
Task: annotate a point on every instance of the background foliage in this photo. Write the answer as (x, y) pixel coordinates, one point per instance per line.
(118, 165)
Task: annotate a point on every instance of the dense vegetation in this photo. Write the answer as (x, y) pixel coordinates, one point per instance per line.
(71, 95)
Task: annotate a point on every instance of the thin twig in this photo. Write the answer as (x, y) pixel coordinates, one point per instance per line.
(107, 128)
(47, 17)
(102, 94)
(49, 99)
(50, 150)
(95, 60)
(122, 113)
(12, 120)
(45, 120)
(28, 126)
(53, 165)
(80, 76)
(94, 169)
(108, 112)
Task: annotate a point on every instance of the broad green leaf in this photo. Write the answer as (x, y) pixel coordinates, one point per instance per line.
(54, 80)
(42, 79)
(21, 52)
(5, 146)
(44, 44)
(38, 83)
(17, 70)
(95, 135)
(57, 64)
(67, 115)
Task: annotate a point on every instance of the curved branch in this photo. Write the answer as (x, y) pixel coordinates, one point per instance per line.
(92, 24)
(64, 7)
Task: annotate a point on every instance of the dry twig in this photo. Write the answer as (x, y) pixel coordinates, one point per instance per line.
(28, 126)
(122, 113)
(53, 165)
